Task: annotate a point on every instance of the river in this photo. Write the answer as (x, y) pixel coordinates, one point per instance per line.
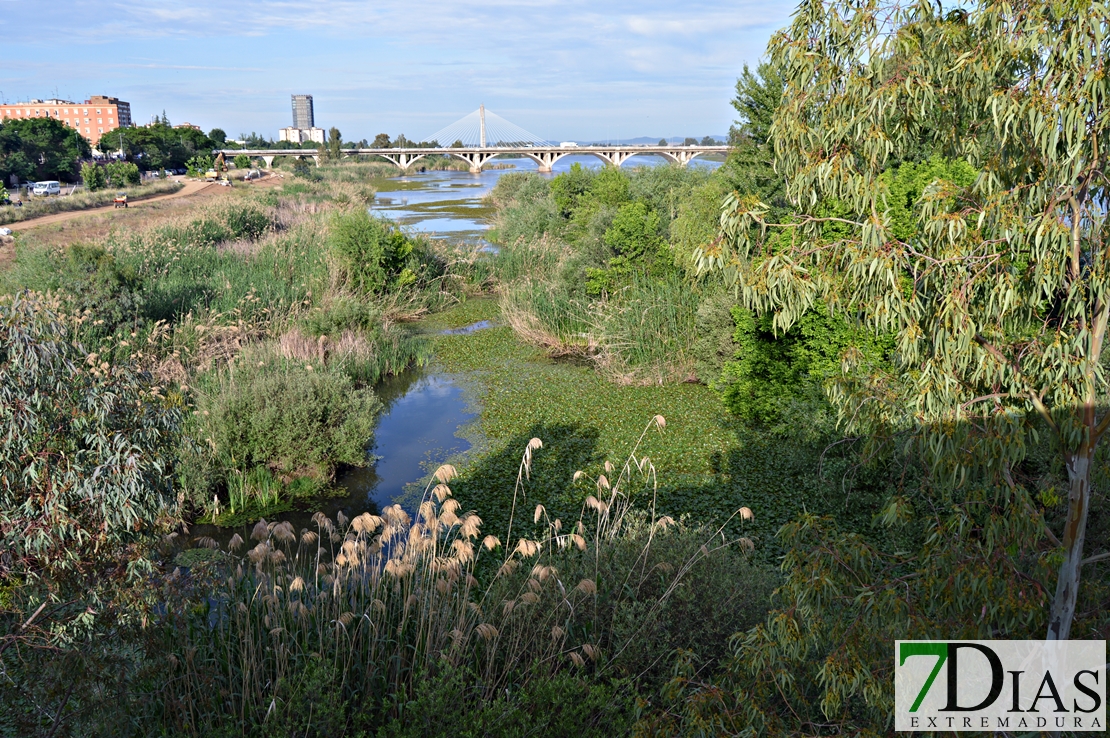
(424, 411)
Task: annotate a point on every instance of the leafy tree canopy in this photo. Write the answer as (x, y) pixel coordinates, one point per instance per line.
(998, 289)
(35, 149)
(159, 146)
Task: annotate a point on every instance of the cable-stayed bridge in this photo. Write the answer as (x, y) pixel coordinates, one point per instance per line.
(483, 135)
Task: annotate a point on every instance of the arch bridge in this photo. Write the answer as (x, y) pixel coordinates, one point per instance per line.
(544, 156)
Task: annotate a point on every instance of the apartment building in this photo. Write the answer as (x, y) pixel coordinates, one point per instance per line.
(92, 119)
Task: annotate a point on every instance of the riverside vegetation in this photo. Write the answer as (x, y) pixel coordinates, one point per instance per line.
(699, 393)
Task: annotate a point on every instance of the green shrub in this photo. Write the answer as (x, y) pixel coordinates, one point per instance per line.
(633, 236)
(199, 164)
(241, 161)
(518, 188)
(122, 174)
(907, 184)
(84, 461)
(303, 170)
(773, 378)
(297, 419)
(371, 255)
(226, 223)
(93, 176)
(92, 281)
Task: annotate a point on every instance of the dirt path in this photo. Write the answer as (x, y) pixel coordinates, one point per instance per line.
(190, 188)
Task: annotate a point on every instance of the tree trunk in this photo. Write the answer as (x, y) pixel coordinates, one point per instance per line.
(1067, 585)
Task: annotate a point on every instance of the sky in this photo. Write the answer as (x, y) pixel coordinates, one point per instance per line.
(566, 70)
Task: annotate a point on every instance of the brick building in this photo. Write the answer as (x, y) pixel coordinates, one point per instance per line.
(92, 119)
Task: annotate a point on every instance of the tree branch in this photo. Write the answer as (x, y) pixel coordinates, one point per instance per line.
(1093, 559)
(1033, 396)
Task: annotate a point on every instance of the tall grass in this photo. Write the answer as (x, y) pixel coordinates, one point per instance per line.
(37, 207)
(643, 335)
(647, 333)
(548, 316)
(379, 603)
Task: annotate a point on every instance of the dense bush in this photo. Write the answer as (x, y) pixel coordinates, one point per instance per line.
(93, 177)
(775, 378)
(295, 418)
(122, 174)
(85, 460)
(371, 254)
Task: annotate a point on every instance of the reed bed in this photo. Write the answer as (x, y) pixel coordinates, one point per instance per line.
(642, 335)
(378, 603)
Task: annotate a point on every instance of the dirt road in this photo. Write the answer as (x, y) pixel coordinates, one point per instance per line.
(190, 188)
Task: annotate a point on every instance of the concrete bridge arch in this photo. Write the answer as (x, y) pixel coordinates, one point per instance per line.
(544, 156)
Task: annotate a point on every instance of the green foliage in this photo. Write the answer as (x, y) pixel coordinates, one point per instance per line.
(634, 239)
(697, 221)
(714, 327)
(335, 144)
(36, 149)
(446, 706)
(569, 187)
(908, 183)
(92, 283)
(974, 574)
(778, 380)
(986, 363)
(85, 460)
(303, 170)
(93, 177)
(295, 418)
(217, 136)
(198, 164)
(241, 161)
(371, 254)
(122, 174)
(160, 146)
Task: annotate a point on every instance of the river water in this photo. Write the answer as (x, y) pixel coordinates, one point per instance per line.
(424, 411)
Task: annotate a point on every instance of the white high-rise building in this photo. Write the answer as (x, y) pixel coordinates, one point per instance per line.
(302, 135)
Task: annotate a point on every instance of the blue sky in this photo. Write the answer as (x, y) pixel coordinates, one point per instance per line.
(563, 70)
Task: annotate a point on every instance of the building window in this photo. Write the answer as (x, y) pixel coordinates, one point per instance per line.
(86, 130)
(100, 130)
(98, 111)
(99, 120)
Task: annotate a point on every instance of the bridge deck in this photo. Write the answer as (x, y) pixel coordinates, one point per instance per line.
(476, 156)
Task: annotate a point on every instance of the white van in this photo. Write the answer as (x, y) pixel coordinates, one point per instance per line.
(50, 187)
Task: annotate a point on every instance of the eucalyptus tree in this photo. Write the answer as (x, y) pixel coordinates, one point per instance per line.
(999, 293)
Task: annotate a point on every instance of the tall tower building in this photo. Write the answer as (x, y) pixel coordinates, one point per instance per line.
(302, 112)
